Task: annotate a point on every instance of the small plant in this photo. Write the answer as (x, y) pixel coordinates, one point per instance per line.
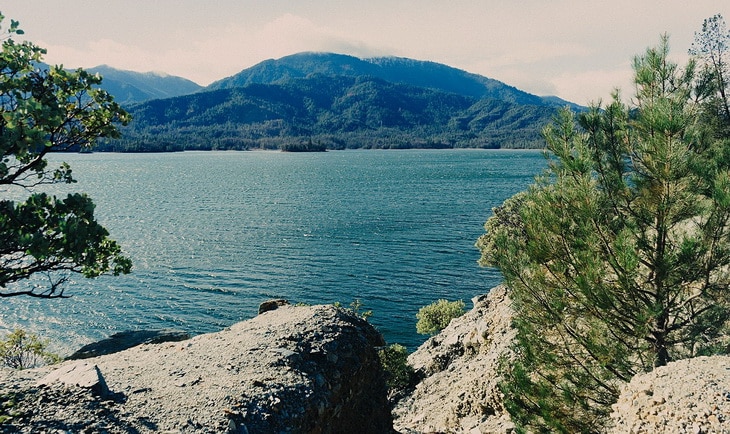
(355, 307)
(399, 374)
(22, 350)
(436, 316)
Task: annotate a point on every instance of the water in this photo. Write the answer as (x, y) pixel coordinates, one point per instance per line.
(213, 234)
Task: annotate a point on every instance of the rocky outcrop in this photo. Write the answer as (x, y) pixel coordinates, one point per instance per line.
(315, 370)
(127, 339)
(460, 372)
(687, 396)
(290, 370)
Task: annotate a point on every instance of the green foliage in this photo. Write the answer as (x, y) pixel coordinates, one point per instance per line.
(308, 146)
(333, 112)
(8, 404)
(45, 110)
(22, 350)
(355, 308)
(399, 374)
(437, 315)
(506, 219)
(616, 257)
(711, 49)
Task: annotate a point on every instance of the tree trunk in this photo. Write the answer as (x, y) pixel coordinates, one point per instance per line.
(659, 344)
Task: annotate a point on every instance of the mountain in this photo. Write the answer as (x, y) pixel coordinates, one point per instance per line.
(332, 111)
(312, 101)
(400, 70)
(129, 87)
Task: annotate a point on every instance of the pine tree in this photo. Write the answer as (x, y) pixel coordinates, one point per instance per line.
(711, 49)
(617, 256)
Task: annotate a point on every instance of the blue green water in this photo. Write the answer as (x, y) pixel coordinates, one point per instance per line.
(213, 234)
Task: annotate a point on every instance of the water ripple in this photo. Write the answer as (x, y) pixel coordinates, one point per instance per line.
(214, 234)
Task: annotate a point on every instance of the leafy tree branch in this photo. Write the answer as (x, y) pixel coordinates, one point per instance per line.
(45, 110)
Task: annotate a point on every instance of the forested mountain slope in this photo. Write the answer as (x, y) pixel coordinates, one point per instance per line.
(400, 70)
(333, 111)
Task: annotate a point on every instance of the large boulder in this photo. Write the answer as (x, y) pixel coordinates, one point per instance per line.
(290, 370)
(460, 373)
(687, 396)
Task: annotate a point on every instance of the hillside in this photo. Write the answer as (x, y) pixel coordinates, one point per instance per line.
(399, 70)
(333, 101)
(129, 87)
(334, 111)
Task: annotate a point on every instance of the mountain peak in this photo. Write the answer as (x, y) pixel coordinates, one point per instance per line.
(394, 69)
(129, 87)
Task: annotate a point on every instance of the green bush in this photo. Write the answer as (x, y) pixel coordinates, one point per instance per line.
(394, 360)
(436, 316)
(21, 350)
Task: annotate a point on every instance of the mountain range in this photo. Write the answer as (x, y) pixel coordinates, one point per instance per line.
(331, 101)
(130, 87)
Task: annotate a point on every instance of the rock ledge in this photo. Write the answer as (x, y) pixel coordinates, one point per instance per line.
(460, 371)
(290, 370)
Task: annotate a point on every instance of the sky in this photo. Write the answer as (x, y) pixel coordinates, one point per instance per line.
(579, 50)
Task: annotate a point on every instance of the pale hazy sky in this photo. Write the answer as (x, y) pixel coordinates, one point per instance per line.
(577, 49)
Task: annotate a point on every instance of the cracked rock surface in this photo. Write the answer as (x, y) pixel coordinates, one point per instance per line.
(460, 370)
(290, 370)
(686, 396)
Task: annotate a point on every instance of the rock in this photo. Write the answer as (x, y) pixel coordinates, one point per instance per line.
(459, 368)
(83, 375)
(271, 305)
(127, 339)
(294, 370)
(341, 388)
(684, 396)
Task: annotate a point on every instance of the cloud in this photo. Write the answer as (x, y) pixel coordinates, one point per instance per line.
(540, 52)
(213, 53)
(566, 47)
(600, 83)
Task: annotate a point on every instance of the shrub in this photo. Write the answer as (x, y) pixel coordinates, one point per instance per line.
(21, 350)
(399, 374)
(356, 309)
(436, 316)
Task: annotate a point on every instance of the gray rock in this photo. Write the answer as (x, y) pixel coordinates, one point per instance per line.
(292, 370)
(684, 396)
(343, 388)
(83, 375)
(460, 372)
(272, 305)
(127, 339)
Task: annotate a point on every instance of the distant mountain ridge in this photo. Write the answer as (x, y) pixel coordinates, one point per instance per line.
(336, 101)
(334, 112)
(130, 87)
(400, 70)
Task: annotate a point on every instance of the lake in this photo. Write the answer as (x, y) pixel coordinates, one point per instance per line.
(213, 234)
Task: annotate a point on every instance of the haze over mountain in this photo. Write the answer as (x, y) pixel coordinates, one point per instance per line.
(130, 87)
(337, 101)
